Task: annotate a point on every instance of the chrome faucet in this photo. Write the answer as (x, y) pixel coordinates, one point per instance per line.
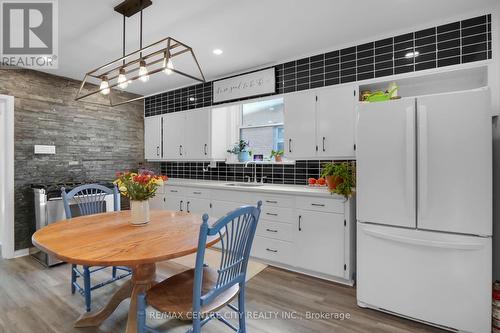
(254, 170)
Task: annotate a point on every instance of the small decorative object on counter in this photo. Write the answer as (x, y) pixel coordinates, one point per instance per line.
(340, 177)
(277, 155)
(393, 88)
(241, 149)
(139, 187)
(495, 311)
(258, 157)
(312, 181)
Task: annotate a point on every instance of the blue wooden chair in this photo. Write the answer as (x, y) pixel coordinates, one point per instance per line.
(90, 199)
(198, 294)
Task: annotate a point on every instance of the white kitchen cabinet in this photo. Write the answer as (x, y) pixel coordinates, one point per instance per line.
(197, 141)
(157, 202)
(198, 206)
(174, 203)
(152, 138)
(320, 123)
(300, 125)
(322, 244)
(195, 135)
(319, 242)
(335, 121)
(174, 133)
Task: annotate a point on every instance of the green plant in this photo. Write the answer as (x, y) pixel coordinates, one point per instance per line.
(239, 147)
(277, 153)
(345, 171)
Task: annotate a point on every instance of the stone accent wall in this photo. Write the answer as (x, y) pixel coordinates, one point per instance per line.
(92, 142)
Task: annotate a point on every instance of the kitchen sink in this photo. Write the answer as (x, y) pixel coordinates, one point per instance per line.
(245, 184)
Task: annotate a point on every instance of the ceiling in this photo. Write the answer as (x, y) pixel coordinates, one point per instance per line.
(251, 33)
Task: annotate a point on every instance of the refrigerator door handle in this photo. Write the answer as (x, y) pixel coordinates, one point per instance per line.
(422, 158)
(425, 242)
(410, 161)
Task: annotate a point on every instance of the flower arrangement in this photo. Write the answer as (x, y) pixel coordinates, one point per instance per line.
(139, 186)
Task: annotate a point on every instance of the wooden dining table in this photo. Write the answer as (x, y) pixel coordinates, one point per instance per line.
(109, 239)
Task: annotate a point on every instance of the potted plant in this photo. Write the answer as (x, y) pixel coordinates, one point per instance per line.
(277, 155)
(240, 149)
(340, 177)
(139, 187)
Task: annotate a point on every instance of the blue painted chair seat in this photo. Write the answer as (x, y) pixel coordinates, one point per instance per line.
(90, 200)
(198, 294)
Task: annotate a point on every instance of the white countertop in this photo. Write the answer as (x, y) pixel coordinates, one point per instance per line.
(266, 188)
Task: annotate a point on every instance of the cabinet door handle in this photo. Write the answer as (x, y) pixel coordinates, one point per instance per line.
(324, 138)
(196, 192)
(300, 222)
(157, 150)
(205, 149)
(187, 207)
(180, 150)
(180, 205)
(271, 230)
(318, 205)
(272, 201)
(289, 145)
(271, 250)
(272, 214)
(174, 191)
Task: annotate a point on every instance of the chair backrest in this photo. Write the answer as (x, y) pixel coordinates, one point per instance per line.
(90, 199)
(237, 231)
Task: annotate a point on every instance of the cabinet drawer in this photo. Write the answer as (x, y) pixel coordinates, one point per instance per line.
(197, 193)
(275, 230)
(174, 190)
(235, 196)
(277, 214)
(328, 205)
(272, 249)
(276, 201)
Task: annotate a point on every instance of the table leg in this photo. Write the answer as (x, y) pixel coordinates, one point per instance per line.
(143, 278)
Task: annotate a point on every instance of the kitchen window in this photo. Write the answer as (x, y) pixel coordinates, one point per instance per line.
(262, 126)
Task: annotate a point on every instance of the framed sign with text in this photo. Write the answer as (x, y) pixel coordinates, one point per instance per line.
(247, 85)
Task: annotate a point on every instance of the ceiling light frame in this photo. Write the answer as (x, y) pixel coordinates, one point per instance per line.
(152, 55)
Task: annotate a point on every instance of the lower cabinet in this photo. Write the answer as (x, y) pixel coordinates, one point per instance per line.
(198, 206)
(325, 231)
(312, 235)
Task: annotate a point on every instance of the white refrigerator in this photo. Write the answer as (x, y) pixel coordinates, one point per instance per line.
(424, 209)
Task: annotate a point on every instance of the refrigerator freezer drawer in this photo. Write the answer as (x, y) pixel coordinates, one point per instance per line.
(444, 279)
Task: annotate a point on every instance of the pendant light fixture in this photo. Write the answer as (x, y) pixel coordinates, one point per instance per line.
(139, 65)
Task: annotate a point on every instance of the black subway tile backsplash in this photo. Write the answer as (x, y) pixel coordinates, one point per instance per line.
(292, 174)
(449, 44)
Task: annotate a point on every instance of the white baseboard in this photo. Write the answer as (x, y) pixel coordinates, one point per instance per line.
(21, 253)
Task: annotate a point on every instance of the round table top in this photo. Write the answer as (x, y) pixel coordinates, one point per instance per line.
(109, 239)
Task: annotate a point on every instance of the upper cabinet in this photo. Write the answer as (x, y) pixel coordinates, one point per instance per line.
(174, 135)
(300, 125)
(194, 135)
(152, 138)
(320, 123)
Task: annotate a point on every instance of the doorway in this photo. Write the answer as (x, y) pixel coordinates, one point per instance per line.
(7, 175)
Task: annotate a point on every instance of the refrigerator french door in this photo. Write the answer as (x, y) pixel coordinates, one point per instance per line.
(424, 203)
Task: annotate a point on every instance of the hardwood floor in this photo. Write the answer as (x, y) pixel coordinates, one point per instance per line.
(35, 299)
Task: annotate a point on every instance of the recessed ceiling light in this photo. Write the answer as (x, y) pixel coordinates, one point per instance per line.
(412, 54)
(217, 51)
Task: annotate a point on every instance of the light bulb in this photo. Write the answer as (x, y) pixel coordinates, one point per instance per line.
(143, 71)
(122, 79)
(104, 87)
(168, 65)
